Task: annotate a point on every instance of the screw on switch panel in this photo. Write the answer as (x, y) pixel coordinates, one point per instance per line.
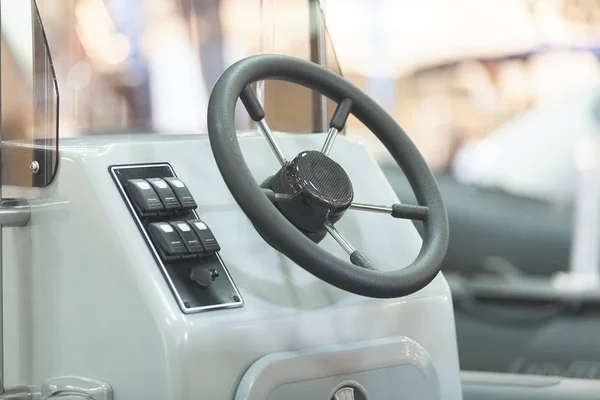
(214, 274)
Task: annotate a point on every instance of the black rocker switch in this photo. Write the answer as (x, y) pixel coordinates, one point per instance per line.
(191, 241)
(205, 235)
(182, 192)
(168, 240)
(144, 196)
(165, 193)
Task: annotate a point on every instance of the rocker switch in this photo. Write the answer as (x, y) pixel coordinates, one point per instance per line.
(205, 235)
(167, 239)
(144, 196)
(165, 193)
(191, 241)
(182, 192)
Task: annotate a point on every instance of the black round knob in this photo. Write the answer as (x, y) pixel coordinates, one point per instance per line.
(203, 277)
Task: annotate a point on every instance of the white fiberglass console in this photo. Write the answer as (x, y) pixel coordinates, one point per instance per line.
(91, 293)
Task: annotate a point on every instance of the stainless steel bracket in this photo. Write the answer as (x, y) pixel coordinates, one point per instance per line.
(17, 393)
(13, 212)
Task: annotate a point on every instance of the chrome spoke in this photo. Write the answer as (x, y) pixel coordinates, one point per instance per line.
(338, 120)
(371, 207)
(277, 197)
(356, 257)
(398, 210)
(331, 135)
(257, 113)
(339, 238)
(264, 128)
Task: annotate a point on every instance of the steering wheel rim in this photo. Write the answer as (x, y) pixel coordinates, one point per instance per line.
(275, 227)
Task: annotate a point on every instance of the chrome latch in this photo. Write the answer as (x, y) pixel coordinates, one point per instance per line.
(75, 388)
(17, 393)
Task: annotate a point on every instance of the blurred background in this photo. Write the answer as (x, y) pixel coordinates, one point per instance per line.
(501, 98)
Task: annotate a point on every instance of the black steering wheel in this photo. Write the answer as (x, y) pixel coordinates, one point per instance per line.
(296, 207)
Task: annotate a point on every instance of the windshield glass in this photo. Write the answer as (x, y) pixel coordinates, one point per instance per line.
(29, 98)
(149, 66)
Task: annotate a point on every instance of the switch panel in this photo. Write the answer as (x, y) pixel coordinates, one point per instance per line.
(183, 193)
(144, 196)
(179, 240)
(165, 193)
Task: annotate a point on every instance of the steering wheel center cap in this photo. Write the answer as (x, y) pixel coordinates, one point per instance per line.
(321, 191)
(320, 179)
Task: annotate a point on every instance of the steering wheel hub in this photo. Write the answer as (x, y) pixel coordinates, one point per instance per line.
(321, 192)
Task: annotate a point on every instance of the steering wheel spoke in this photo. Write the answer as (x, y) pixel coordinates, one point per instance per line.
(257, 113)
(344, 244)
(277, 197)
(356, 257)
(340, 116)
(398, 210)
